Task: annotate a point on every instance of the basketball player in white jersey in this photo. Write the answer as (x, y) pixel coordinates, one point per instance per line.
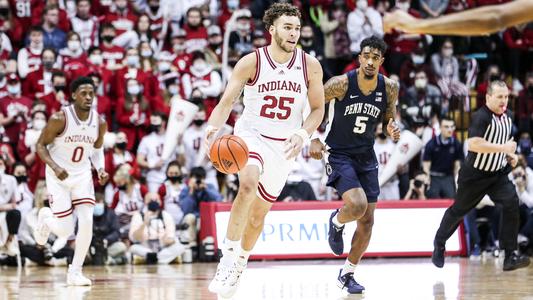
(70, 142)
(278, 81)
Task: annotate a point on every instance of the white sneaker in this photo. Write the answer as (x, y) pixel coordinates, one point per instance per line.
(226, 280)
(13, 247)
(41, 231)
(75, 277)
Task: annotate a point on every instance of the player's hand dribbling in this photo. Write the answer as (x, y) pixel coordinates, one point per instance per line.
(210, 133)
(316, 149)
(393, 130)
(61, 173)
(293, 146)
(509, 147)
(103, 177)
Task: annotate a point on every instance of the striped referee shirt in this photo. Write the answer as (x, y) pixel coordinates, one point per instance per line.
(494, 129)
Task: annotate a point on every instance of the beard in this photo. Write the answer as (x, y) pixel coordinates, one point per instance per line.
(279, 42)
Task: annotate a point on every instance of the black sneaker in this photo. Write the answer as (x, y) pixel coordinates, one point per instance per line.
(335, 236)
(438, 256)
(515, 261)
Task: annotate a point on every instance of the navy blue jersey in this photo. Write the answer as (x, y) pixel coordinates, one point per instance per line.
(353, 119)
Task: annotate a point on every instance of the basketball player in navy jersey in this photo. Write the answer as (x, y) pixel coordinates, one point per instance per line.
(359, 100)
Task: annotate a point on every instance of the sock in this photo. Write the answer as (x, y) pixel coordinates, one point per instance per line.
(243, 257)
(84, 235)
(336, 221)
(348, 267)
(230, 252)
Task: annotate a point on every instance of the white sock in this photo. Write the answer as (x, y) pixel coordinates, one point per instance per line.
(243, 257)
(84, 235)
(230, 252)
(348, 267)
(336, 221)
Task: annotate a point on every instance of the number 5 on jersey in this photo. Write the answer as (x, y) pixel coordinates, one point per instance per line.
(360, 124)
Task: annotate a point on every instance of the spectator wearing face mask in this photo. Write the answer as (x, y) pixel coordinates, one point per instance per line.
(85, 24)
(59, 97)
(101, 102)
(133, 113)
(424, 94)
(213, 52)
(112, 54)
(73, 57)
(446, 69)
(197, 191)
(364, 21)
(29, 58)
(96, 65)
(128, 196)
(196, 33)
(119, 155)
(123, 20)
(106, 246)
(153, 233)
(401, 44)
(27, 145)
(132, 69)
(240, 40)
(308, 43)
(39, 83)
(149, 154)
(148, 58)
(170, 191)
(192, 141)
(157, 22)
(14, 110)
(23, 195)
(416, 62)
(203, 79)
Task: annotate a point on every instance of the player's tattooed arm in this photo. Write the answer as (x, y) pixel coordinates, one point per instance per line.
(392, 88)
(55, 126)
(336, 87)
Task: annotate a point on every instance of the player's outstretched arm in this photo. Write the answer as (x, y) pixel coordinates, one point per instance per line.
(392, 89)
(477, 21)
(54, 127)
(98, 158)
(243, 71)
(336, 87)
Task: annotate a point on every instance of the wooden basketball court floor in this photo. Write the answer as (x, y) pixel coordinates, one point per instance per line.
(384, 279)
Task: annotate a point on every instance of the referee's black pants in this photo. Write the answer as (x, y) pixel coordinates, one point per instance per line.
(473, 185)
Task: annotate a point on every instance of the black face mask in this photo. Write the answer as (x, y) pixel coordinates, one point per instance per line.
(2, 75)
(175, 179)
(121, 146)
(154, 8)
(382, 136)
(154, 128)
(61, 88)
(418, 183)
(48, 65)
(108, 38)
(196, 100)
(4, 11)
(122, 187)
(21, 179)
(530, 89)
(198, 122)
(494, 77)
(153, 206)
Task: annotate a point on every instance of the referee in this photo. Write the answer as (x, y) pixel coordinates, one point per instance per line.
(490, 158)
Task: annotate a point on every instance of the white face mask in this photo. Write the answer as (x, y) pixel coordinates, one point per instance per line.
(421, 83)
(404, 6)
(96, 59)
(13, 89)
(199, 65)
(74, 46)
(132, 60)
(418, 59)
(178, 47)
(146, 53)
(38, 124)
(173, 89)
(164, 66)
(2, 169)
(134, 89)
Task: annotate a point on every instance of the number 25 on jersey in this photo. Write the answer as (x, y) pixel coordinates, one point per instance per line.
(281, 104)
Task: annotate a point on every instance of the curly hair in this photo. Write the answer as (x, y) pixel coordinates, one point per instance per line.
(375, 42)
(277, 10)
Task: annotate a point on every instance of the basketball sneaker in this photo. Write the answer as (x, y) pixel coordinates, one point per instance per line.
(347, 283)
(41, 231)
(226, 280)
(515, 261)
(335, 236)
(76, 278)
(438, 255)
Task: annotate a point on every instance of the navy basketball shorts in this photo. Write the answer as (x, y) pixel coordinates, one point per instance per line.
(349, 172)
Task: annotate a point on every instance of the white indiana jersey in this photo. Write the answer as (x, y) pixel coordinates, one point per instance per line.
(129, 204)
(274, 100)
(72, 149)
(193, 138)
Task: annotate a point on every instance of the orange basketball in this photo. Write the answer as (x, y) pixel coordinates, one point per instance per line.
(229, 154)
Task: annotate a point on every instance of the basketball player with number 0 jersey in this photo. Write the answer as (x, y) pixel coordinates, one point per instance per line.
(278, 81)
(72, 141)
